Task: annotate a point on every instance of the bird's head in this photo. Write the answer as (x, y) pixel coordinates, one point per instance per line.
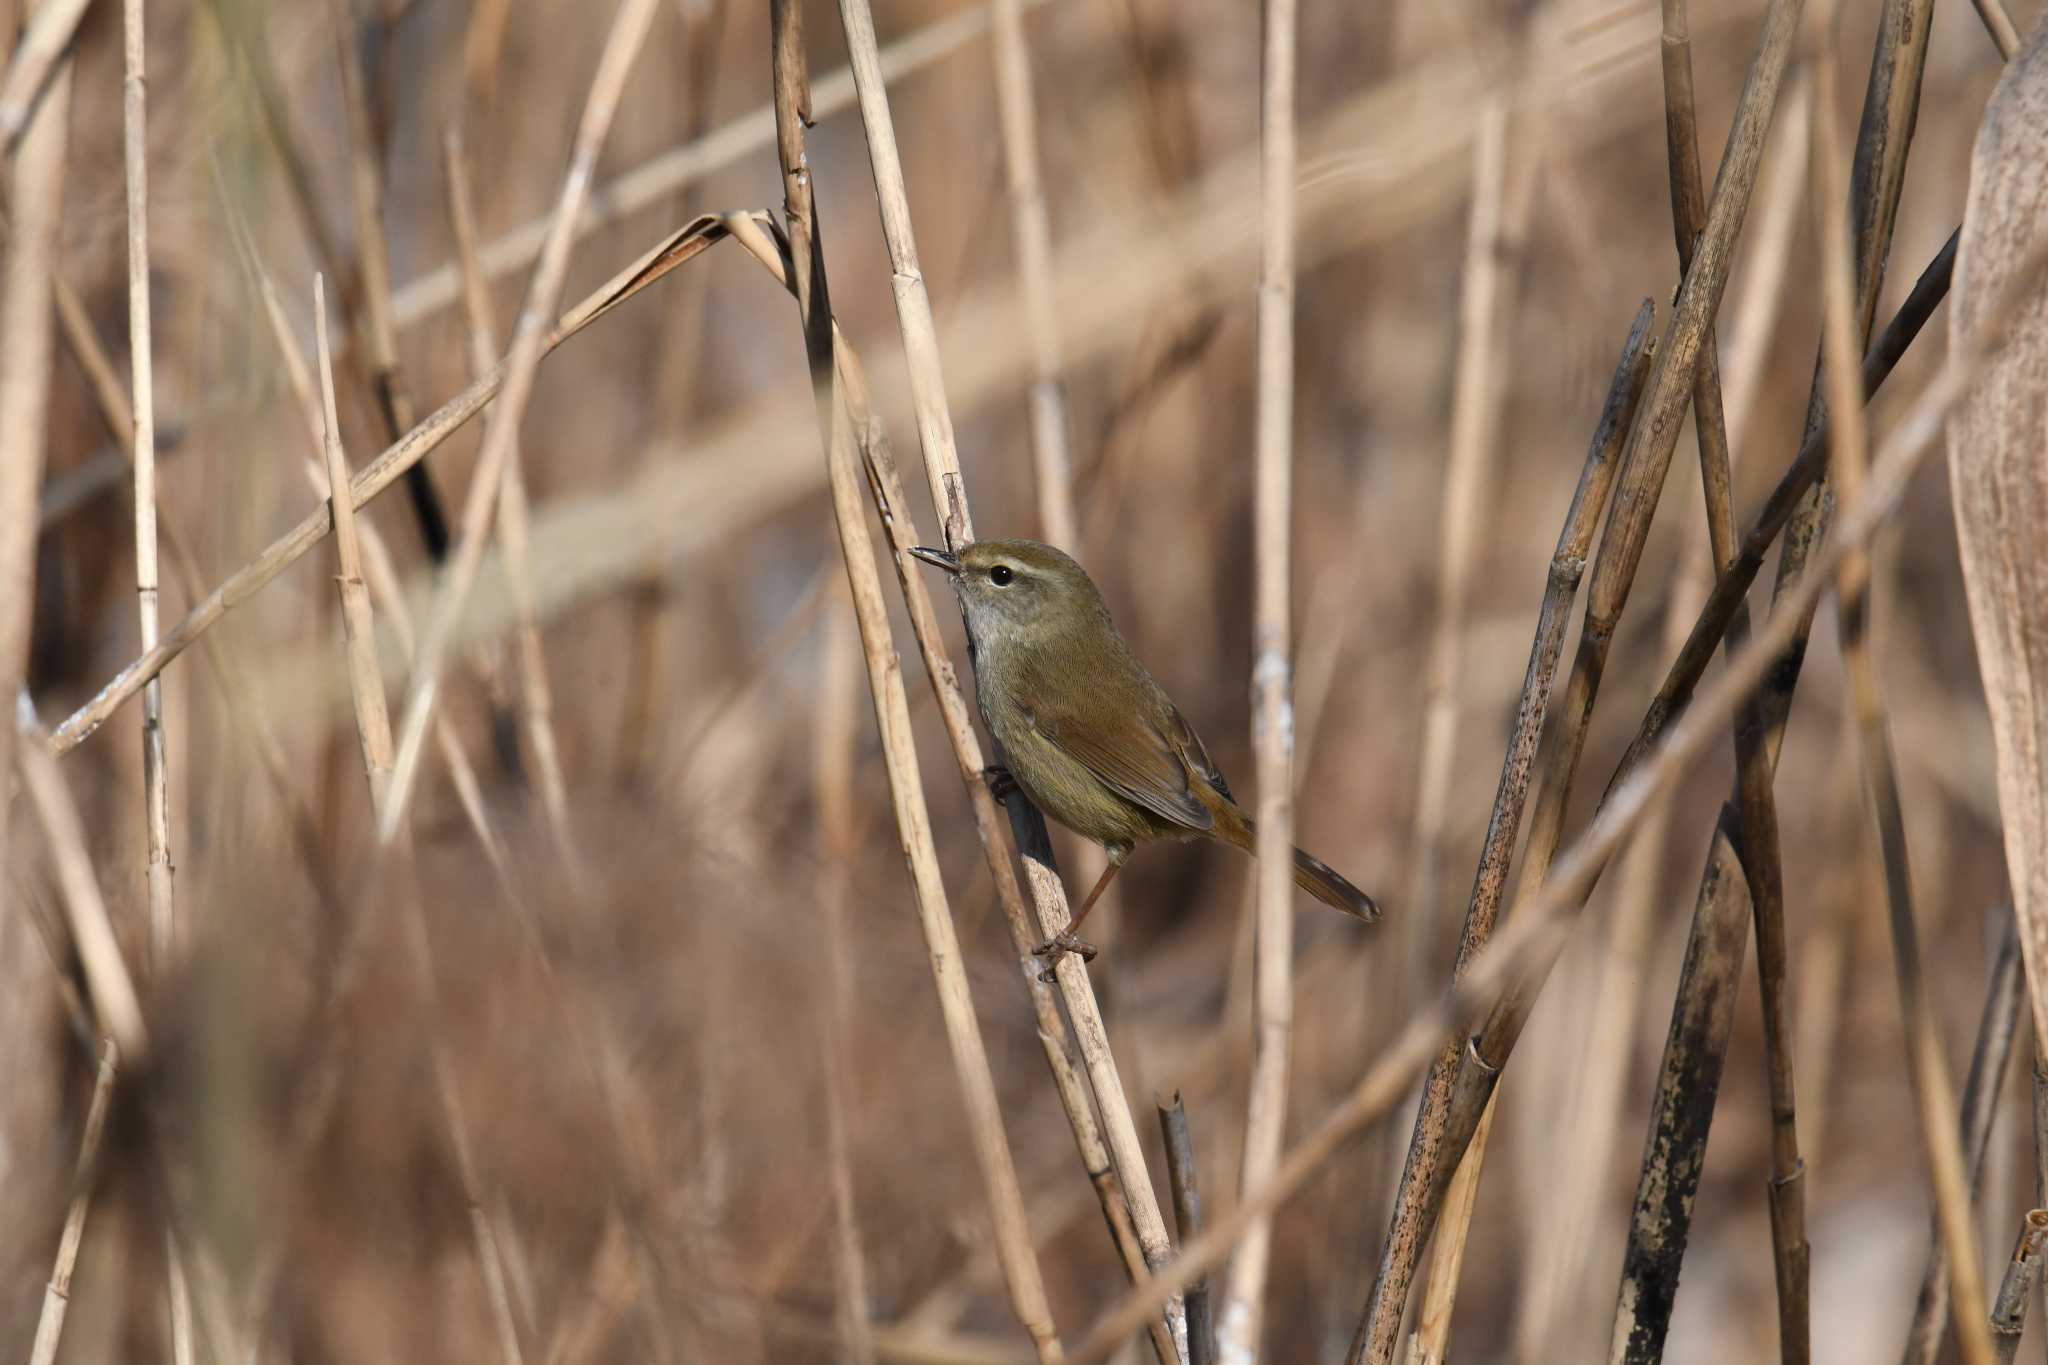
(1018, 588)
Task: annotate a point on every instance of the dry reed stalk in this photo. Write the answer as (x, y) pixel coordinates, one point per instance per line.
(1103, 283)
(1780, 509)
(1560, 1278)
(35, 195)
(111, 400)
(2000, 26)
(1475, 425)
(374, 730)
(886, 486)
(1996, 1027)
(1682, 1103)
(529, 336)
(2009, 1309)
(906, 279)
(833, 760)
(1746, 842)
(57, 1293)
(1891, 103)
(673, 250)
(513, 528)
(885, 685)
(1754, 800)
(1182, 1177)
(1016, 108)
(359, 629)
(117, 1008)
(43, 44)
(1444, 1132)
(156, 782)
(654, 180)
(949, 499)
(385, 594)
(1521, 953)
(1925, 1064)
(1490, 247)
(1241, 1316)
(1567, 567)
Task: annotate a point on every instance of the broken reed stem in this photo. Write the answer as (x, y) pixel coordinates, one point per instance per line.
(622, 47)
(832, 766)
(1524, 949)
(1182, 1176)
(359, 629)
(156, 782)
(1925, 1065)
(885, 685)
(1475, 424)
(513, 529)
(1567, 567)
(2009, 1309)
(1242, 1314)
(57, 1293)
(1052, 462)
(1996, 1027)
(34, 186)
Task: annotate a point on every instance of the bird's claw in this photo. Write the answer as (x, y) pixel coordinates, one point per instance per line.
(1000, 783)
(1057, 947)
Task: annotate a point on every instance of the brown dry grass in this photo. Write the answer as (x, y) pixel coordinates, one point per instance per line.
(686, 1100)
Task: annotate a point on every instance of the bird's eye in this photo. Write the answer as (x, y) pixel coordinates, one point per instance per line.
(1001, 575)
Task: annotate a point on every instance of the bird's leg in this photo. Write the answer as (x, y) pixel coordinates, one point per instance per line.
(1065, 941)
(1000, 783)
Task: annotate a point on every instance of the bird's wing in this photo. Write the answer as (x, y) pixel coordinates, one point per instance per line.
(1137, 761)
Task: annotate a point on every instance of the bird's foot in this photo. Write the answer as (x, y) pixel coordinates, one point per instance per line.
(1057, 947)
(1000, 783)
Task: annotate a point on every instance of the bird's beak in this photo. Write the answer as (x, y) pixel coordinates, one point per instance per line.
(944, 559)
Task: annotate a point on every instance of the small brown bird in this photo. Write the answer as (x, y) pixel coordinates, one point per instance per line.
(1087, 734)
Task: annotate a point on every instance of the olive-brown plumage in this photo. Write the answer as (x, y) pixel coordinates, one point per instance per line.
(1085, 731)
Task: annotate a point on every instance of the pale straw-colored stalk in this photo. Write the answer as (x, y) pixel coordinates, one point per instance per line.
(622, 46)
(836, 429)
(1933, 1092)
(513, 528)
(1242, 1313)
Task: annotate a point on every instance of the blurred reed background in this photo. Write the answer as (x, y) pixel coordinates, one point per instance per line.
(629, 1047)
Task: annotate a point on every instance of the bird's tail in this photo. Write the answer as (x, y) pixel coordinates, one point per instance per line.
(1312, 875)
